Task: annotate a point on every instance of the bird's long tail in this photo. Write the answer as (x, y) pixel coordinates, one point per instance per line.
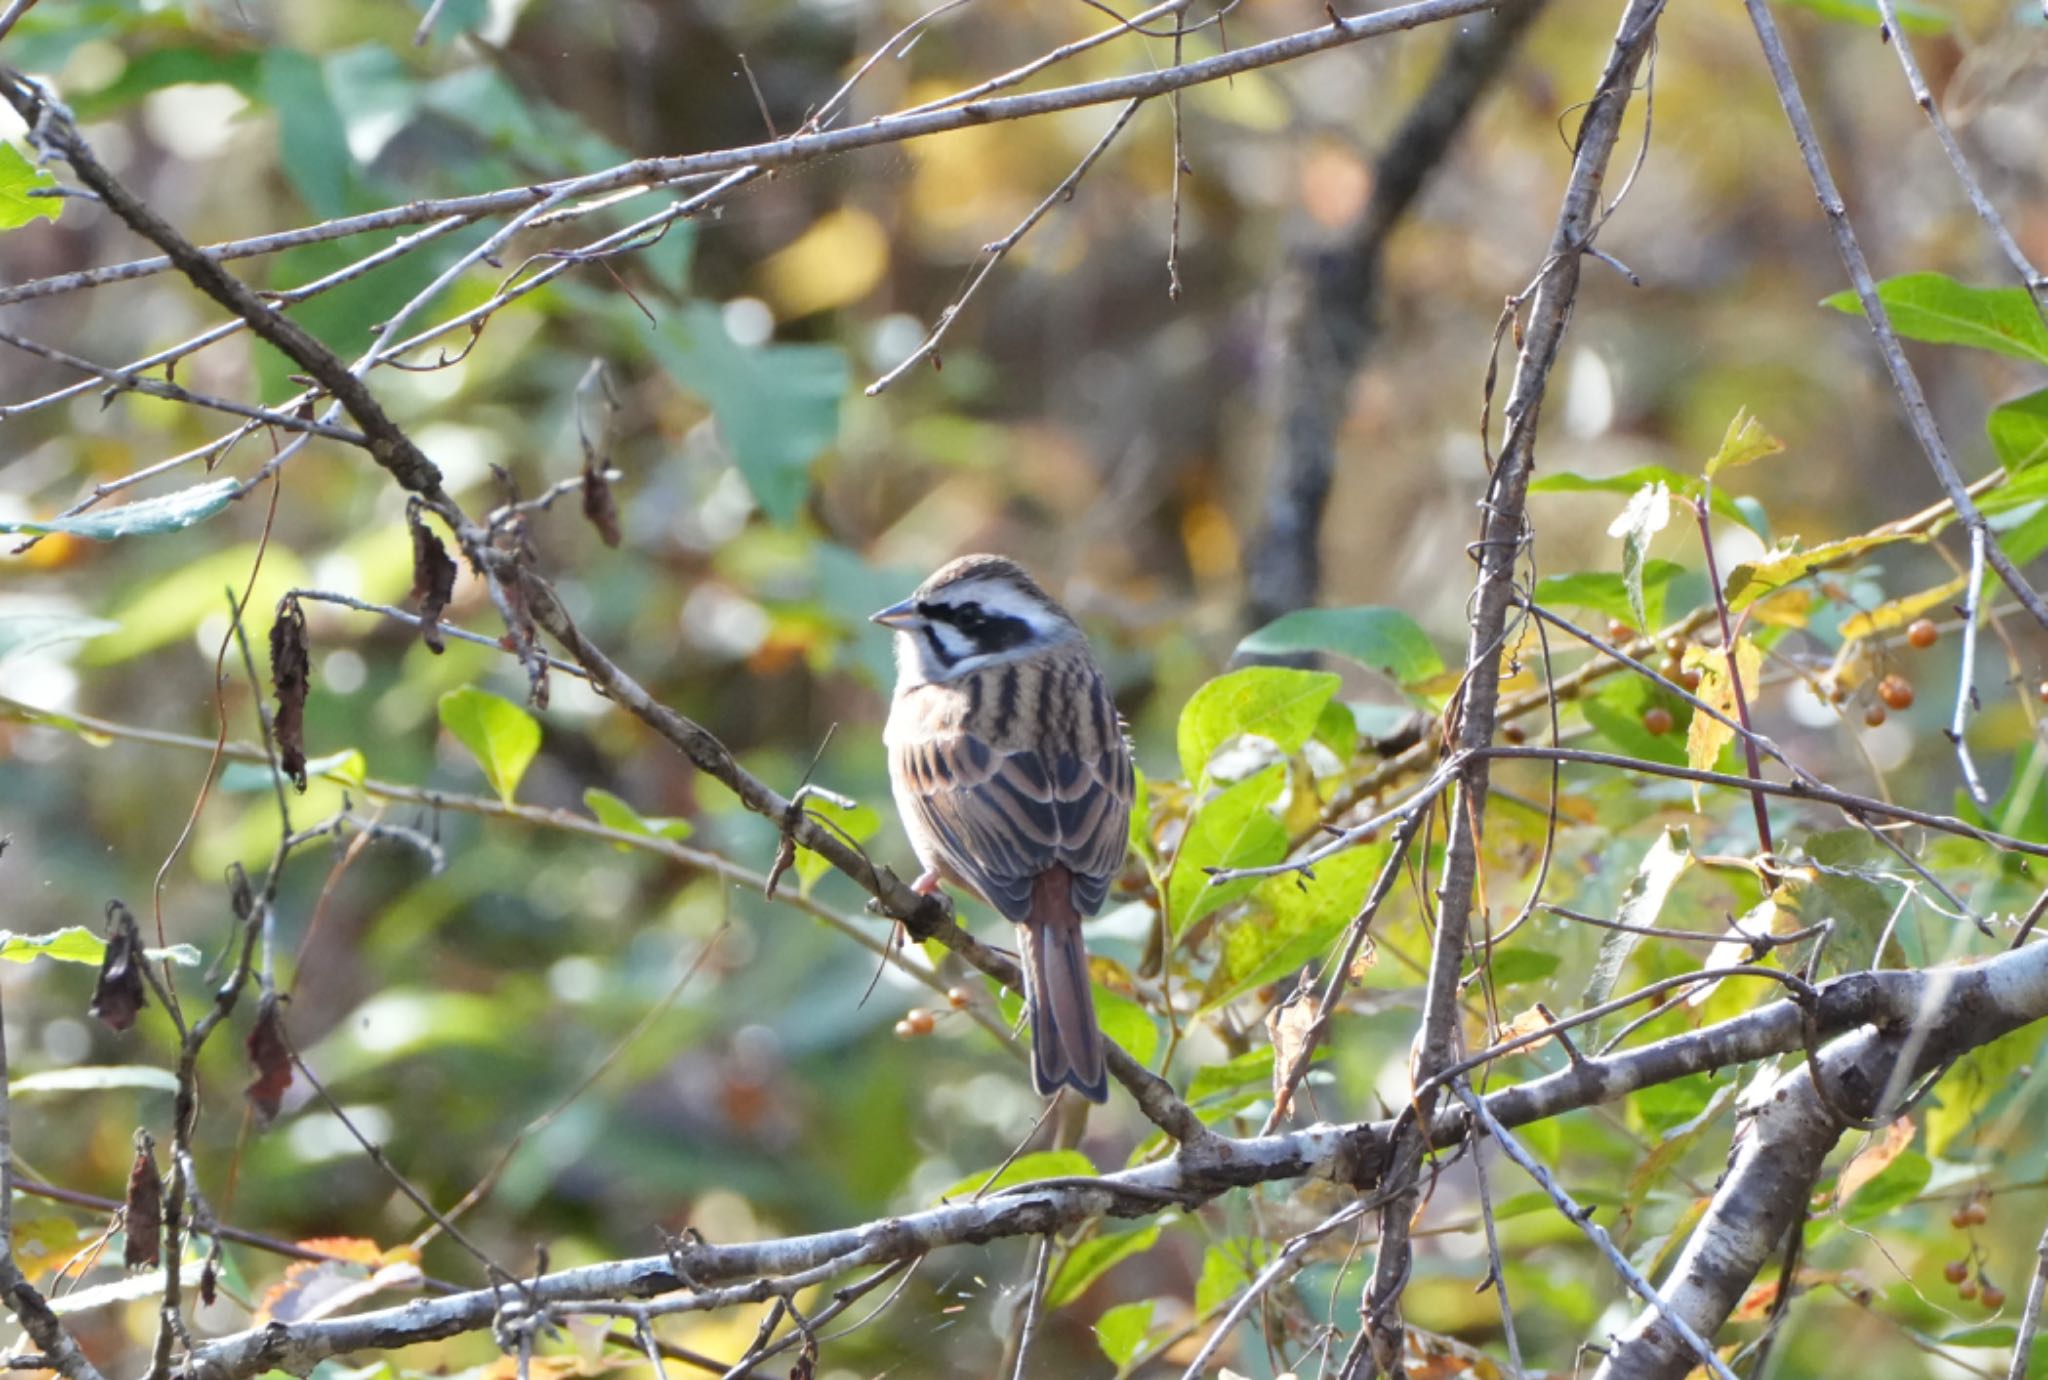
(1066, 1044)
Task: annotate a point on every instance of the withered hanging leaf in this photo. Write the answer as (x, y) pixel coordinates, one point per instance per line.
(291, 674)
(209, 1283)
(144, 1209)
(119, 993)
(433, 577)
(272, 1058)
(1291, 1026)
(598, 505)
(240, 894)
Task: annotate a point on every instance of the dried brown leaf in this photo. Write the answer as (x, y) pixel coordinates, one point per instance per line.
(120, 991)
(291, 675)
(272, 1058)
(143, 1212)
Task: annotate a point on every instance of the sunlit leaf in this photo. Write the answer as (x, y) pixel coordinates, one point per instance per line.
(1271, 702)
(1641, 903)
(860, 824)
(1744, 442)
(498, 733)
(1235, 829)
(1093, 1259)
(1648, 510)
(1914, 17)
(1121, 1330)
(1297, 921)
(1752, 580)
(145, 517)
(1604, 591)
(1379, 639)
(1227, 1269)
(1897, 613)
(1936, 308)
(1707, 735)
(835, 262)
(19, 177)
(95, 1078)
(1039, 1164)
(2019, 431)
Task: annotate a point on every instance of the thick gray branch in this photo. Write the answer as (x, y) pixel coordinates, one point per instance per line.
(1933, 1017)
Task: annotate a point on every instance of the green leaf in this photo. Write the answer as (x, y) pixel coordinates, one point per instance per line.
(1897, 1184)
(19, 177)
(1745, 441)
(21, 633)
(147, 517)
(777, 405)
(614, 813)
(77, 944)
(346, 766)
(1039, 1164)
(1642, 901)
(1617, 714)
(1272, 702)
(1252, 1067)
(1127, 1023)
(1236, 829)
(2019, 431)
(1936, 308)
(1094, 1258)
(1225, 1272)
(1604, 592)
(1120, 1331)
(1648, 512)
(96, 1078)
(1513, 966)
(170, 66)
(1379, 639)
(1298, 920)
(498, 733)
(312, 137)
(1914, 17)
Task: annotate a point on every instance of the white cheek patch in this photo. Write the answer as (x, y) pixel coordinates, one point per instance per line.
(954, 645)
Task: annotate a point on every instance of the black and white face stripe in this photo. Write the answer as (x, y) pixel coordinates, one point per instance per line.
(956, 631)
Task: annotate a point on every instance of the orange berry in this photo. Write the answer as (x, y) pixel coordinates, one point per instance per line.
(1657, 719)
(1874, 715)
(1922, 633)
(1674, 647)
(1620, 633)
(958, 997)
(903, 1030)
(1690, 679)
(1967, 1289)
(1515, 734)
(1956, 1271)
(1960, 1218)
(1896, 691)
(1992, 1297)
(1977, 1212)
(919, 1020)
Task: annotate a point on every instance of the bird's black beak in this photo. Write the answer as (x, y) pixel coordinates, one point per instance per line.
(903, 616)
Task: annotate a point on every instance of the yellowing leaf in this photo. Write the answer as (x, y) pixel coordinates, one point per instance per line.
(837, 261)
(1752, 580)
(1708, 735)
(1899, 612)
(1745, 441)
(1871, 1160)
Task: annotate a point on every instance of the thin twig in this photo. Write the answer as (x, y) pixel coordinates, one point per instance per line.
(2030, 1317)
(1582, 1218)
(1919, 418)
(1966, 675)
(995, 250)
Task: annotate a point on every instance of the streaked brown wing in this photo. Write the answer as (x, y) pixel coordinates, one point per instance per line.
(1001, 817)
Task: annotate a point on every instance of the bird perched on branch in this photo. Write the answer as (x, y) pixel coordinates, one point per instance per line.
(1012, 775)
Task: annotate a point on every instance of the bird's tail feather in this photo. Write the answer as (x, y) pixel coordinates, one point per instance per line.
(1066, 1044)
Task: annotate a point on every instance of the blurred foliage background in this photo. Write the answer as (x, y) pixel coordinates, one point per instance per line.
(1116, 440)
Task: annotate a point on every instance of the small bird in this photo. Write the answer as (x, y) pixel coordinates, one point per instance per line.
(1013, 777)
